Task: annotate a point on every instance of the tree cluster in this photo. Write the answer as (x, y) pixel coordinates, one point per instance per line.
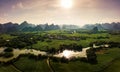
(91, 56)
(73, 46)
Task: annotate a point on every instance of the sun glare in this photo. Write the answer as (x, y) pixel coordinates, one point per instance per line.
(67, 3)
(66, 53)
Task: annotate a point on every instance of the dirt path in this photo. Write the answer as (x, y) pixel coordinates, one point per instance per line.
(49, 65)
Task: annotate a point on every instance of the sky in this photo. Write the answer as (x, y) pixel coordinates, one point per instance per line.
(78, 12)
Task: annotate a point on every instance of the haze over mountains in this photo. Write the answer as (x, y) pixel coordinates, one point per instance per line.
(104, 26)
(27, 27)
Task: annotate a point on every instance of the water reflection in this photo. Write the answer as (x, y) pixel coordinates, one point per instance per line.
(67, 53)
(70, 53)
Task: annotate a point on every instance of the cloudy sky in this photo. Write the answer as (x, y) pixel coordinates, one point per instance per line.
(79, 12)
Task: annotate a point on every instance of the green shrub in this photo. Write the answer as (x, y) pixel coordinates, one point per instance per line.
(8, 50)
(8, 54)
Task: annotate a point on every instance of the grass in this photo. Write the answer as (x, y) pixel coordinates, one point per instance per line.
(114, 67)
(8, 68)
(54, 44)
(75, 66)
(30, 65)
(7, 36)
(115, 38)
(85, 43)
(88, 35)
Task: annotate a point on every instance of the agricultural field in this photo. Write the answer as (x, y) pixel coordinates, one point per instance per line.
(114, 67)
(30, 65)
(8, 68)
(89, 38)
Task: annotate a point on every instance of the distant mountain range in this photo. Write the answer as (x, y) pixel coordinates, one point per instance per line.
(104, 26)
(27, 27)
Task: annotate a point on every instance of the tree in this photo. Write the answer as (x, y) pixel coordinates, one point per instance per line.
(64, 60)
(8, 50)
(91, 56)
(52, 50)
(8, 54)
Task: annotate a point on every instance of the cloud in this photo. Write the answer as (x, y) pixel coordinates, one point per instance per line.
(45, 4)
(18, 5)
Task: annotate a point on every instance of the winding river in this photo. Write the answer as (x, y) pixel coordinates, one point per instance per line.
(66, 53)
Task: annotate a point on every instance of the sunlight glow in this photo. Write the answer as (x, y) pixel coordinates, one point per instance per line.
(66, 3)
(67, 53)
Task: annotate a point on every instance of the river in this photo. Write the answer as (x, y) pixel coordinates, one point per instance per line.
(65, 53)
